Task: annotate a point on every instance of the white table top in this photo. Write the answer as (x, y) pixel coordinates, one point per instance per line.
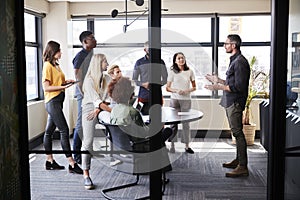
(172, 116)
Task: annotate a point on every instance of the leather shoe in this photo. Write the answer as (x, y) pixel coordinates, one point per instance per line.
(53, 166)
(76, 169)
(233, 164)
(189, 150)
(239, 171)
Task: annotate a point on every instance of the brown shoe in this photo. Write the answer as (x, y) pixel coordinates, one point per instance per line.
(239, 171)
(233, 164)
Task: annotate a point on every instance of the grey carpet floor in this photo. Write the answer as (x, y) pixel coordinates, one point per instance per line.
(194, 177)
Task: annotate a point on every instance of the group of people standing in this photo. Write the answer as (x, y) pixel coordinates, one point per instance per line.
(106, 97)
(180, 82)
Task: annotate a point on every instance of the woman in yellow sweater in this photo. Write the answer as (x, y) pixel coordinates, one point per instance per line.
(54, 85)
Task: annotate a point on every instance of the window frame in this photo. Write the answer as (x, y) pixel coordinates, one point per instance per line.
(38, 46)
(215, 43)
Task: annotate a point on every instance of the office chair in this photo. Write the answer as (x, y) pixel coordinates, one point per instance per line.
(137, 150)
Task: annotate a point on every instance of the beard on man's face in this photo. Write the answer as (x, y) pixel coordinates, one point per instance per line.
(228, 50)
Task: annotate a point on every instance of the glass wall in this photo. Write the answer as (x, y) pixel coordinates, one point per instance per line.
(292, 137)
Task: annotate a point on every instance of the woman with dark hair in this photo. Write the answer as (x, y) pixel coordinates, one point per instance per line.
(54, 85)
(181, 82)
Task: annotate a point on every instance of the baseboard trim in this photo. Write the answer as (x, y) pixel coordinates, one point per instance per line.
(33, 143)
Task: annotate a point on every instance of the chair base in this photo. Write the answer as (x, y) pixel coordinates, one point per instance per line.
(105, 191)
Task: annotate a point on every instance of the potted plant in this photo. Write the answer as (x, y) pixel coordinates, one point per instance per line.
(258, 85)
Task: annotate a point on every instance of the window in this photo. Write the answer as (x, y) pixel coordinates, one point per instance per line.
(255, 37)
(32, 26)
(254, 28)
(77, 27)
(31, 73)
(195, 36)
(191, 29)
(116, 34)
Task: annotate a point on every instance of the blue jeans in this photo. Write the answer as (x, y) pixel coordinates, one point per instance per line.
(56, 118)
(77, 137)
(234, 115)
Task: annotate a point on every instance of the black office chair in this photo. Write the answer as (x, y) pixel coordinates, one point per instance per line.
(137, 158)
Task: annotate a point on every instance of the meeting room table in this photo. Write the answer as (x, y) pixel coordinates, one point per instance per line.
(171, 115)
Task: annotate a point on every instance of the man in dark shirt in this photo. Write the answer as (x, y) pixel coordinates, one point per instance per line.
(141, 76)
(81, 63)
(235, 93)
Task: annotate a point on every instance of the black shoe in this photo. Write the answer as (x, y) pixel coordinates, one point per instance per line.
(76, 169)
(189, 150)
(53, 166)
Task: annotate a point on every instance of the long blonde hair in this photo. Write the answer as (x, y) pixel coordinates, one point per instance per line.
(95, 70)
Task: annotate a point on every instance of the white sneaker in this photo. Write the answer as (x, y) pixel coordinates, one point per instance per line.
(88, 184)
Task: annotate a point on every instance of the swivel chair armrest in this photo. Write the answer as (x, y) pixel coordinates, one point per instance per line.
(140, 141)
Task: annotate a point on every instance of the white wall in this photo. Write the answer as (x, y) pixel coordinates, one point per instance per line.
(55, 27)
(37, 118)
(174, 6)
(177, 7)
(214, 117)
(39, 6)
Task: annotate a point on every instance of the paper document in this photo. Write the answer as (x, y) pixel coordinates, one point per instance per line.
(185, 113)
(145, 118)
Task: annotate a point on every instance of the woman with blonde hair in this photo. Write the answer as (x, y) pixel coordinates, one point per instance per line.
(94, 89)
(115, 74)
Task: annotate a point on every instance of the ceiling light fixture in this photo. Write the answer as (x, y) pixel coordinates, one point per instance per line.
(115, 13)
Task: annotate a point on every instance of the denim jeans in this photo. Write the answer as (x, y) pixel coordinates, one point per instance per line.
(234, 115)
(56, 118)
(77, 137)
(181, 105)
